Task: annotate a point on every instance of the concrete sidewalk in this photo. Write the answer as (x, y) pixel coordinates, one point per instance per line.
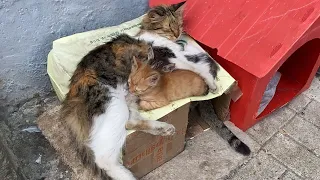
(285, 145)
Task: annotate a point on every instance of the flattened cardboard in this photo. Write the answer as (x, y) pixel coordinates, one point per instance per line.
(142, 153)
(57, 133)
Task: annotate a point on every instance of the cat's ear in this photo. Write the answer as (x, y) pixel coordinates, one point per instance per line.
(169, 67)
(177, 6)
(150, 53)
(155, 15)
(153, 79)
(134, 66)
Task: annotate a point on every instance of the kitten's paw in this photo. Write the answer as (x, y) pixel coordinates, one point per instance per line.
(167, 130)
(162, 129)
(213, 88)
(169, 68)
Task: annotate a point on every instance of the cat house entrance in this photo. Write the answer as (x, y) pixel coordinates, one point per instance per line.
(295, 73)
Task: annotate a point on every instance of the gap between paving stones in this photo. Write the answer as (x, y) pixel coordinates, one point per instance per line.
(280, 162)
(298, 112)
(282, 131)
(234, 171)
(302, 113)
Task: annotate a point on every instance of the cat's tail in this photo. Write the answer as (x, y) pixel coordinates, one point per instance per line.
(75, 116)
(205, 108)
(88, 160)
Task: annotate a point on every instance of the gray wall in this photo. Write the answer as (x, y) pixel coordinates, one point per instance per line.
(27, 29)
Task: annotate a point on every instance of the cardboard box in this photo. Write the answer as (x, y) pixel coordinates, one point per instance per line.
(144, 152)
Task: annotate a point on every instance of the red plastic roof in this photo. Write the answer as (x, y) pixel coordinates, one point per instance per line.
(253, 34)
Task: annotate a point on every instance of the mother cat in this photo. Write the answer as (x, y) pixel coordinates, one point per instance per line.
(98, 108)
(161, 26)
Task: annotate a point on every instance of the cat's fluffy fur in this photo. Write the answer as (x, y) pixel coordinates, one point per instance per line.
(157, 89)
(97, 109)
(162, 25)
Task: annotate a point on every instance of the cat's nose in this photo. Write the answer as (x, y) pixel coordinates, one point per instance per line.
(131, 90)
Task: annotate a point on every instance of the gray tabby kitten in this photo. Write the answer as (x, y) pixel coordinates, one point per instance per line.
(161, 26)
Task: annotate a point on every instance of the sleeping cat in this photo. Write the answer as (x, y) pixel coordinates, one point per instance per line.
(98, 109)
(162, 25)
(156, 90)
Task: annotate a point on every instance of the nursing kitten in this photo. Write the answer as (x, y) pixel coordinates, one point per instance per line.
(157, 90)
(161, 26)
(97, 109)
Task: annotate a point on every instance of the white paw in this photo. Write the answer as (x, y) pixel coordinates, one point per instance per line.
(162, 129)
(213, 88)
(167, 130)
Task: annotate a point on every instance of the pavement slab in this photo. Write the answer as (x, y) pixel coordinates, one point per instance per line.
(305, 133)
(261, 167)
(267, 127)
(207, 156)
(296, 157)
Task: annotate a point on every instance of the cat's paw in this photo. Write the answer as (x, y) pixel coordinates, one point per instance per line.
(169, 68)
(213, 88)
(167, 130)
(162, 129)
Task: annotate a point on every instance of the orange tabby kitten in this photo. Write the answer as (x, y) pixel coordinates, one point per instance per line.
(157, 89)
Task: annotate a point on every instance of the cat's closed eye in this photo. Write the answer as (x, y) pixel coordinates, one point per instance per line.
(138, 90)
(175, 30)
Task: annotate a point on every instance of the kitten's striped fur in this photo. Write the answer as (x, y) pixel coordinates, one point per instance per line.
(161, 26)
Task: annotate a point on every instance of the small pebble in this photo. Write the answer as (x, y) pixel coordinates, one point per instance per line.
(39, 159)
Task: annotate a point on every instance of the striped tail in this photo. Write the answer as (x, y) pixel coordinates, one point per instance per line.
(85, 154)
(206, 111)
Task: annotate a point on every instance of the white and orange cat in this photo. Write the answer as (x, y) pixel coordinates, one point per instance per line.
(156, 89)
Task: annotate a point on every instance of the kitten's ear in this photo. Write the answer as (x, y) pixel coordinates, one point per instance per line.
(177, 6)
(134, 66)
(155, 15)
(169, 67)
(153, 79)
(150, 53)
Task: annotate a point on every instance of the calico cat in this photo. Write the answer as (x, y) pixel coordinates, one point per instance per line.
(157, 90)
(161, 26)
(98, 109)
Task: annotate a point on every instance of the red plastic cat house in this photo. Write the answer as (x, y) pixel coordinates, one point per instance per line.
(255, 39)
